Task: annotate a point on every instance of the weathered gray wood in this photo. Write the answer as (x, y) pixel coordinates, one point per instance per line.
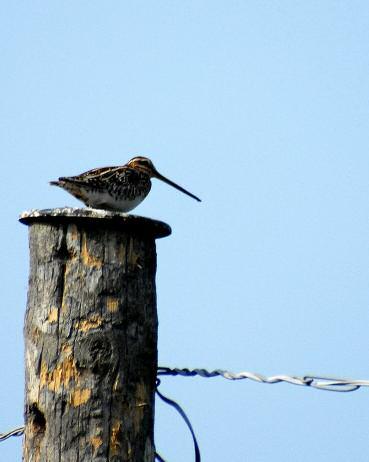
(90, 336)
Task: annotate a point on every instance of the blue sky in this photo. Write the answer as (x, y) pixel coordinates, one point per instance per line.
(261, 109)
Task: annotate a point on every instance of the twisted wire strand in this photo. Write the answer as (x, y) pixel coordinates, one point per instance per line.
(15, 432)
(312, 381)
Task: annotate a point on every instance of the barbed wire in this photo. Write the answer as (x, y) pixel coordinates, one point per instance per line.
(312, 381)
(15, 432)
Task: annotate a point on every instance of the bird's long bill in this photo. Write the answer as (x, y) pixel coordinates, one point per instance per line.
(171, 183)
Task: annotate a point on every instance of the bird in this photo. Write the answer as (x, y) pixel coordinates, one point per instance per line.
(120, 188)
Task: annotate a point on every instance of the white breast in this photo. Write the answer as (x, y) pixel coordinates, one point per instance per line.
(105, 201)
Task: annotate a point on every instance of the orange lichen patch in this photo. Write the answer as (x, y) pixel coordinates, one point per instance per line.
(91, 323)
(112, 304)
(116, 438)
(53, 315)
(63, 373)
(96, 442)
(80, 396)
(87, 258)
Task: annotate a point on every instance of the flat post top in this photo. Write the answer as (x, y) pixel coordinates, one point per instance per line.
(94, 217)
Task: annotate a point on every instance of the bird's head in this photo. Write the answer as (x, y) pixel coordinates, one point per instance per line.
(144, 165)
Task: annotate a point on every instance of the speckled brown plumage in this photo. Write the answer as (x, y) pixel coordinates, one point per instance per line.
(115, 188)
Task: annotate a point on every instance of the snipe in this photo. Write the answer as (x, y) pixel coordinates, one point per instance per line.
(116, 188)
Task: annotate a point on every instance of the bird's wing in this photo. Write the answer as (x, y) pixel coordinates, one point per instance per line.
(101, 172)
(99, 177)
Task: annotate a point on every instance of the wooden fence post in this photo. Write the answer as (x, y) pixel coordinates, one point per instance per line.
(90, 336)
